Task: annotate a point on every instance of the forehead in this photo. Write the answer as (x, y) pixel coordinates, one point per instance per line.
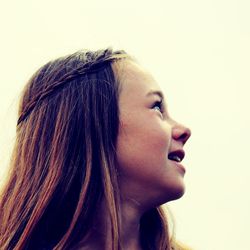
(135, 80)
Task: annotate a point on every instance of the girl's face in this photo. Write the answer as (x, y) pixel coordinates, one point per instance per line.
(149, 174)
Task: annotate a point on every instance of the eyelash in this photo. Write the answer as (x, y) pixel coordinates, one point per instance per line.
(159, 104)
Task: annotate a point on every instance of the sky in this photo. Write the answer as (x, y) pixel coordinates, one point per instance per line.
(199, 53)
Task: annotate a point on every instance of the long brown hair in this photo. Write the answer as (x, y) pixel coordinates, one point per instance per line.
(64, 159)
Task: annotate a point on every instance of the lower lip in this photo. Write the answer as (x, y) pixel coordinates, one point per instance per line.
(180, 166)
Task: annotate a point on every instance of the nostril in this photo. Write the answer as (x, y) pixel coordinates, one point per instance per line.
(184, 137)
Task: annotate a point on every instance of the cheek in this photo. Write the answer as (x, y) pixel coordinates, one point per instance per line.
(142, 154)
(143, 148)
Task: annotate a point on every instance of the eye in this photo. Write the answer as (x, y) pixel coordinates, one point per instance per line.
(158, 105)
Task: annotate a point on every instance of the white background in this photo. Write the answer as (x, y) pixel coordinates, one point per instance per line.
(199, 51)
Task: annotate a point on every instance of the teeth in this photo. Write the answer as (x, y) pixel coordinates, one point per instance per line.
(176, 158)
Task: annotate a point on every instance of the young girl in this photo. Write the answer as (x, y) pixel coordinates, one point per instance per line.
(96, 154)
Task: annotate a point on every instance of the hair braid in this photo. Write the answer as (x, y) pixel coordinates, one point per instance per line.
(89, 65)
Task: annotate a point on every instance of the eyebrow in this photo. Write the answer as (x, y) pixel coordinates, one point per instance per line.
(156, 92)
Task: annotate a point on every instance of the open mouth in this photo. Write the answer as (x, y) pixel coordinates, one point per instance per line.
(177, 155)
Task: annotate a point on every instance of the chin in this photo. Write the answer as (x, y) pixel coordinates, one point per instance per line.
(174, 193)
(162, 195)
(177, 193)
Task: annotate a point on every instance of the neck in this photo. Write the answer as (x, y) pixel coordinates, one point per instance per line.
(130, 226)
(100, 237)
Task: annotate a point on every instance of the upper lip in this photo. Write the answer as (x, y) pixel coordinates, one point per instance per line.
(179, 153)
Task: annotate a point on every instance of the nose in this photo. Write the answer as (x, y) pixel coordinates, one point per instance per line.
(181, 133)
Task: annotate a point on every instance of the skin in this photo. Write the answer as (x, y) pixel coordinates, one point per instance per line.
(146, 136)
